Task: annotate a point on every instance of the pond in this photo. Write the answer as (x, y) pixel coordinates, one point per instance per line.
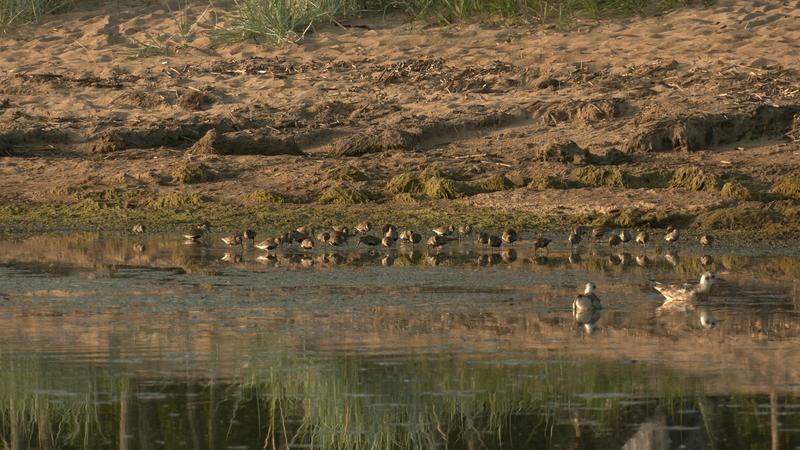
(110, 341)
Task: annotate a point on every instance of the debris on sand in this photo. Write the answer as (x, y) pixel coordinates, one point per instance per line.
(694, 179)
(563, 151)
(735, 190)
(243, 143)
(788, 186)
(690, 133)
(192, 173)
(372, 142)
(344, 194)
(192, 100)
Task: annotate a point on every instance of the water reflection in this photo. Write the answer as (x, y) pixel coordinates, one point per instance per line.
(108, 342)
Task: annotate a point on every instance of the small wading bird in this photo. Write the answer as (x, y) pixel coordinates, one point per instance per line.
(197, 233)
(509, 236)
(387, 241)
(364, 227)
(307, 244)
(249, 235)
(437, 240)
(624, 236)
(598, 233)
(495, 241)
(575, 237)
(685, 295)
(613, 241)
(337, 239)
(672, 235)
(138, 229)
(586, 307)
(483, 238)
(368, 239)
(464, 230)
(267, 244)
(706, 240)
(541, 242)
(236, 239)
(443, 231)
(643, 238)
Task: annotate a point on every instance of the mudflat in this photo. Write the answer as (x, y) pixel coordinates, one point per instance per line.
(688, 116)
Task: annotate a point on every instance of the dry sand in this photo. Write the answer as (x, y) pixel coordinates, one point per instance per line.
(715, 88)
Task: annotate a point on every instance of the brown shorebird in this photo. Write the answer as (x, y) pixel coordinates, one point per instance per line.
(443, 231)
(598, 233)
(298, 236)
(340, 229)
(642, 238)
(416, 238)
(336, 239)
(307, 244)
(391, 233)
(706, 240)
(368, 239)
(323, 236)
(437, 240)
(483, 238)
(706, 260)
(138, 229)
(364, 227)
(495, 241)
(509, 236)
(236, 239)
(387, 241)
(267, 244)
(614, 240)
(249, 235)
(197, 233)
(624, 236)
(304, 230)
(541, 242)
(405, 235)
(672, 235)
(464, 230)
(575, 237)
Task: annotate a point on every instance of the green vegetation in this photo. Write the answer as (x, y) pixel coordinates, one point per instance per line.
(262, 196)
(13, 12)
(602, 177)
(788, 186)
(345, 194)
(275, 22)
(192, 173)
(735, 190)
(694, 179)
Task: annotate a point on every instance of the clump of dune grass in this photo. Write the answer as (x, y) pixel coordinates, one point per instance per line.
(694, 179)
(262, 196)
(192, 173)
(275, 22)
(735, 190)
(344, 194)
(441, 188)
(495, 183)
(405, 198)
(175, 200)
(15, 12)
(788, 186)
(404, 183)
(602, 177)
(544, 181)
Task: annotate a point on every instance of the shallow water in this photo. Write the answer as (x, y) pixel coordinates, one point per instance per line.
(116, 342)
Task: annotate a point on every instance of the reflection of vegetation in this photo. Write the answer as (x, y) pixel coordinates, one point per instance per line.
(346, 402)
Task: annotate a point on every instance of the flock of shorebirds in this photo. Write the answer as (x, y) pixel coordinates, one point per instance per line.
(585, 306)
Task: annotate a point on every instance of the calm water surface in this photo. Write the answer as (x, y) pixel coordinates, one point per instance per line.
(117, 342)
